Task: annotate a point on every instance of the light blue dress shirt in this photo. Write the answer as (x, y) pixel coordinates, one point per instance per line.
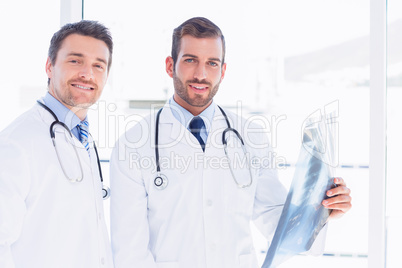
(185, 117)
(64, 114)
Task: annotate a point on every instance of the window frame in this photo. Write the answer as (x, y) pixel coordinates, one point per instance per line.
(73, 10)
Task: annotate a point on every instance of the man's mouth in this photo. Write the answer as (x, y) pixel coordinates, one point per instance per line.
(199, 88)
(86, 87)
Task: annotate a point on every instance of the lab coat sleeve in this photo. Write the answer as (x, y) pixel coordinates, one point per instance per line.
(129, 218)
(270, 195)
(14, 188)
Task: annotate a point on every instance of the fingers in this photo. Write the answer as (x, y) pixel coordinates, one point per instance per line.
(339, 200)
(338, 205)
(339, 181)
(340, 189)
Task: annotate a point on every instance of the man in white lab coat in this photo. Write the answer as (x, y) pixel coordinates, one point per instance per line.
(51, 211)
(195, 212)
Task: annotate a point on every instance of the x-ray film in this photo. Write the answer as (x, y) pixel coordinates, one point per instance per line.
(303, 216)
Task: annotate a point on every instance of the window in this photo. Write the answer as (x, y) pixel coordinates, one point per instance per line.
(394, 132)
(286, 59)
(25, 40)
(26, 37)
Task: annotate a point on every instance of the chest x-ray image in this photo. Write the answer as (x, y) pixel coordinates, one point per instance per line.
(303, 216)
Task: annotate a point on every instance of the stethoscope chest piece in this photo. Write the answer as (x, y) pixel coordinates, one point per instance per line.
(105, 192)
(161, 181)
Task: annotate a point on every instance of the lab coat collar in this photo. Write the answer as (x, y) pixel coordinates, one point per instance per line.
(64, 114)
(185, 117)
(48, 119)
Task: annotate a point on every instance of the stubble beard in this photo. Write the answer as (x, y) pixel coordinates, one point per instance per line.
(67, 98)
(199, 100)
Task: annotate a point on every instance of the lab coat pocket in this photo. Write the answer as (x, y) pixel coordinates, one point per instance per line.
(246, 261)
(167, 264)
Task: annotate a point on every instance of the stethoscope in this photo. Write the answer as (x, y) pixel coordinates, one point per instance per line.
(161, 181)
(105, 189)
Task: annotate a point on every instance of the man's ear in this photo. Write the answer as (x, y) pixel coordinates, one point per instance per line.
(169, 66)
(49, 68)
(223, 71)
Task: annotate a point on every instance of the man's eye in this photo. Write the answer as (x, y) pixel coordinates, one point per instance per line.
(189, 60)
(213, 63)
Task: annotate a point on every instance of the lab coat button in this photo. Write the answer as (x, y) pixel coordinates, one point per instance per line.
(100, 216)
(209, 202)
(103, 261)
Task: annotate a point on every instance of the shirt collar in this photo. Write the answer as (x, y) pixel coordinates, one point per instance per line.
(184, 116)
(64, 114)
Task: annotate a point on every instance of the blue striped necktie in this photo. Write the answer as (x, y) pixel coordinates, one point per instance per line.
(84, 130)
(195, 127)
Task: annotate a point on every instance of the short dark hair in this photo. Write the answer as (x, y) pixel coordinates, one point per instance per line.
(198, 27)
(86, 28)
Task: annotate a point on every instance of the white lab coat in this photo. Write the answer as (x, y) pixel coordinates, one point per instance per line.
(45, 220)
(202, 219)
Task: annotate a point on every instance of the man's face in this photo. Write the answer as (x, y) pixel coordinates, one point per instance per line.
(80, 71)
(197, 73)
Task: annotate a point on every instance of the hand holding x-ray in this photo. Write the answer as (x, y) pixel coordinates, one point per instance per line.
(305, 211)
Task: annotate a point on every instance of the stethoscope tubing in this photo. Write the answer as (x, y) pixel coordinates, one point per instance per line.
(161, 180)
(105, 189)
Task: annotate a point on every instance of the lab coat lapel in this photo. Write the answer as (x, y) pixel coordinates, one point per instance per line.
(171, 131)
(218, 125)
